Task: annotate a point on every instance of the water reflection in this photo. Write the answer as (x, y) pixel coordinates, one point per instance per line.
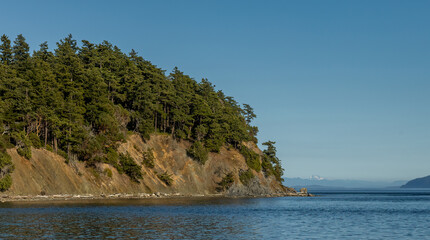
(331, 216)
(147, 219)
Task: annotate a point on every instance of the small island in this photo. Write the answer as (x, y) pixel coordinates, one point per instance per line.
(91, 120)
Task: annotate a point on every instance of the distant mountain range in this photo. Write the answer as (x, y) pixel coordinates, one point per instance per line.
(423, 182)
(319, 183)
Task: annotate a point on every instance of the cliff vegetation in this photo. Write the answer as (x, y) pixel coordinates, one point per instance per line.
(83, 101)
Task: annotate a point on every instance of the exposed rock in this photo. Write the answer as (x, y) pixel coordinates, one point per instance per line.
(47, 173)
(254, 188)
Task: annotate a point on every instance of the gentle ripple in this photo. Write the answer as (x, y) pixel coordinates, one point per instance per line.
(333, 215)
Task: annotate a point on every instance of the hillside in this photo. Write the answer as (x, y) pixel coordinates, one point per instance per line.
(48, 173)
(423, 182)
(84, 112)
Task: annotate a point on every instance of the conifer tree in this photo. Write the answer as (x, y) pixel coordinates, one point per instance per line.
(5, 50)
(20, 51)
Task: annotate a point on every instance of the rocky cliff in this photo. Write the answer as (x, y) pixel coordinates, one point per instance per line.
(48, 173)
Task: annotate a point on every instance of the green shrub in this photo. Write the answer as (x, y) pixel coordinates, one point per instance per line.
(25, 152)
(148, 158)
(180, 134)
(112, 158)
(35, 140)
(130, 167)
(246, 176)
(108, 172)
(94, 160)
(214, 145)
(23, 143)
(6, 167)
(226, 182)
(252, 159)
(267, 167)
(5, 160)
(5, 183)
(49, 148)
(95, 172)
(166, 178)
(198, 152)
(63, 154)
(5, 142)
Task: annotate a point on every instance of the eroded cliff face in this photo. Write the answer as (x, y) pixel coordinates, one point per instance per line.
(48, 173)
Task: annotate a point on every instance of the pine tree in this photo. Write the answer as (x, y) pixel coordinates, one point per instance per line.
(43, 53)
(5, 50)
(271, 163)
(20, 51)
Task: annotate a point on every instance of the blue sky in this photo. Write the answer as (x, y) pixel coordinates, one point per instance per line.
(341, 86)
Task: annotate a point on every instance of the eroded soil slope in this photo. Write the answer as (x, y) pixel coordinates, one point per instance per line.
(49, 174)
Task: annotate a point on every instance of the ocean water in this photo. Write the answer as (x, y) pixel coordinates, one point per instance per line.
(373, 214)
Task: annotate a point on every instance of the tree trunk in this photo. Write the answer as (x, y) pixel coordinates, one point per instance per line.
(46, 135)
(68, 152)
(173, 129)
(165, 118)
(155, 128)
(189, 132)
(55, 144)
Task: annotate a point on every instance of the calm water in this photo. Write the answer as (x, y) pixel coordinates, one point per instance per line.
(333, 215)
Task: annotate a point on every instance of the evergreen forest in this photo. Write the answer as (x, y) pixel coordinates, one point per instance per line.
(82, 100)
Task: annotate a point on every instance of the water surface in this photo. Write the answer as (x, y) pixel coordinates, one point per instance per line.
(361, 214)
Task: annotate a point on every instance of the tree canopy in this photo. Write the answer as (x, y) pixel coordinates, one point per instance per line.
(81, 100)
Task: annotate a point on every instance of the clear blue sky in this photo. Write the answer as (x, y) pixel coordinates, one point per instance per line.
(343, 87)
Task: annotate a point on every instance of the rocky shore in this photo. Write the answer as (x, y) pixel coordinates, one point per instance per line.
(63, 197)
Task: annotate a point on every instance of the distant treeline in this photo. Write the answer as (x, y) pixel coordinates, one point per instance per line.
(81, 101)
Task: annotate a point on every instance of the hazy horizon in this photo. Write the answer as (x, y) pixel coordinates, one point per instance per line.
(342, 87)
(356, 179)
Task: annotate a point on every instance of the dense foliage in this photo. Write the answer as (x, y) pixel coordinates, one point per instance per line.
(81, 100)
(271, 164)
(6, 165)
(252, 158)
(5, 183)
(246, 176)
(129, 167)
(198, 152)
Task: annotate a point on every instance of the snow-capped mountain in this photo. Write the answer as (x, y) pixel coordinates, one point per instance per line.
(316, 177)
